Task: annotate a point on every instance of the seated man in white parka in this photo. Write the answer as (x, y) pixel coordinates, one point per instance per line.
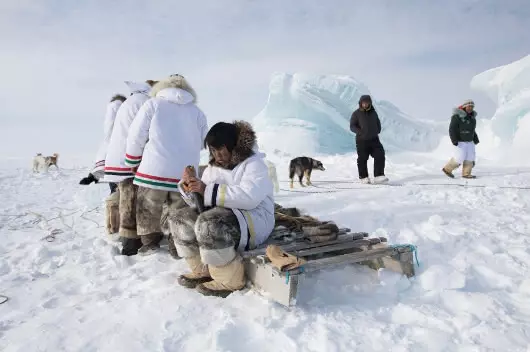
(238, 196)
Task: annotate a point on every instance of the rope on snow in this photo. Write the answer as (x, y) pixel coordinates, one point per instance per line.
(350, 185)
(3, 299)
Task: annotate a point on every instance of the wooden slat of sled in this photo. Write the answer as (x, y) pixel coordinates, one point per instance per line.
(359, 244)
(297, 246)
(350, 258)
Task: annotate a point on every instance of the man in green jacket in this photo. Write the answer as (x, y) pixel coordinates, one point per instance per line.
(464, 138)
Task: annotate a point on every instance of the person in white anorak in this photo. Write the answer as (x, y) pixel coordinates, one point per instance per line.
(116, 170)
(98, 170)
(166, 136)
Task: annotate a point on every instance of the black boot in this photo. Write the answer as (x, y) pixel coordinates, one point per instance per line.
(131, 246)
(151, 243)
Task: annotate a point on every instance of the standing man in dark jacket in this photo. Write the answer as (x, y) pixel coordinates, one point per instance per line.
(464, 138)
(365, 124)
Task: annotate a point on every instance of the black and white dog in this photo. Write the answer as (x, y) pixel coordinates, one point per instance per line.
(303, 166)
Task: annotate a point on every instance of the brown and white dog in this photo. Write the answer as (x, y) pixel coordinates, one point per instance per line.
(44, 162)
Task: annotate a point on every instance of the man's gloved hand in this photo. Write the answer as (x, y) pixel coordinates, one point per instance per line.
(455, 144)
(88, 180)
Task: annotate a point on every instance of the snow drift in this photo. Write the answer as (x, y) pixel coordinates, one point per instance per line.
(309, 114)
(509, 87)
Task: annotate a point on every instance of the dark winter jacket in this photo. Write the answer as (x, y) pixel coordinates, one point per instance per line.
(365, 123)
(462, 127)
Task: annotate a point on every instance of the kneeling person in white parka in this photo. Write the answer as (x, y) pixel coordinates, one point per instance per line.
(166, 135)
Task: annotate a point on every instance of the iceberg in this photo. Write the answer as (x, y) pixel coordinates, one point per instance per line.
(509, 87)
(309, 114)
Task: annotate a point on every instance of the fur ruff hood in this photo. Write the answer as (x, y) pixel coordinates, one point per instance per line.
(458, 111)
(178, 82)
(245, 146)
(118, 97)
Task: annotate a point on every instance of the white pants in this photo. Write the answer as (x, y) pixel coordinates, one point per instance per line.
(464, 151)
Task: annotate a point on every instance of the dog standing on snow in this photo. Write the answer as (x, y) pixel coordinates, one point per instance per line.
(303, 166)
(272, 175)
(44, 162)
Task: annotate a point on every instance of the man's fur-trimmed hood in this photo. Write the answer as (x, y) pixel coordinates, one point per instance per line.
(118, 97)
(245, 145)
(458, 111)
(178, 82)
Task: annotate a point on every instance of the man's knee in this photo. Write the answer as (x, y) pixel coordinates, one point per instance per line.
(218, 225)
(217, 232)
(182, 223)
(378, 153)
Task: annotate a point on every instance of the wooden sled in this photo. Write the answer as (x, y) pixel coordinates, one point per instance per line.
(348, 248)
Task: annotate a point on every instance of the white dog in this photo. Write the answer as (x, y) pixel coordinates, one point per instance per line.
(44, 162)
(272, 175)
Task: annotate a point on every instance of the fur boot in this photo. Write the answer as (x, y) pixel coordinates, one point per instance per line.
(451, 165)
(199, 273)
(112, 213)
(466, 169)
(172, 248)
(226, 279)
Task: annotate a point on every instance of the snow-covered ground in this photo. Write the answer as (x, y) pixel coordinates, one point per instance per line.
(471, 292)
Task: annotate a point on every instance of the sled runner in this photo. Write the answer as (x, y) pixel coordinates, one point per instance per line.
(303, 255)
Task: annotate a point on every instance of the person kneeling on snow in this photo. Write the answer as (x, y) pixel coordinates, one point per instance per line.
(166, 135)
(464, 138)
(365, 124)
(239, 215)
(98, 171)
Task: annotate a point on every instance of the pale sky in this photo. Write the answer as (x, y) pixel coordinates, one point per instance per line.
(62, 60)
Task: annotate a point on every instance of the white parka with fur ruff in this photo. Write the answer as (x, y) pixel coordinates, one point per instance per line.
(166, 136)
(115, 168)
(110, 116)
(246, 189)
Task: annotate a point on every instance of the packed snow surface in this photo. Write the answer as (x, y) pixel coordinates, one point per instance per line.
(471, 292)
(310, 114)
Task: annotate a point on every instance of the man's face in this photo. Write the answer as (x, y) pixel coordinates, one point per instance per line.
(469, 109)
(365, 105)
(221, 155)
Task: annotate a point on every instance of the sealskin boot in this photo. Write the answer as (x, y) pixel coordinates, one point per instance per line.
(466, 169)
(226, 279)
(199, 273)
(450, 167)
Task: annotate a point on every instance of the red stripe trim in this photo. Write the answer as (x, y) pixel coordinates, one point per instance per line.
(158, 178)
(117, 168)
(132, 157)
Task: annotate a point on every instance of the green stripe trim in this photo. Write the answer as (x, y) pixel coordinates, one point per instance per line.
(132, 162)
(155, 183)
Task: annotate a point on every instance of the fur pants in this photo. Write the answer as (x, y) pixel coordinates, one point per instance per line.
(151, 204)
(112, 213)
(214, 234)
(127, 191)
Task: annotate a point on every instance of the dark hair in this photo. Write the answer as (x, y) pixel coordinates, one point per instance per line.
(222, 134)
